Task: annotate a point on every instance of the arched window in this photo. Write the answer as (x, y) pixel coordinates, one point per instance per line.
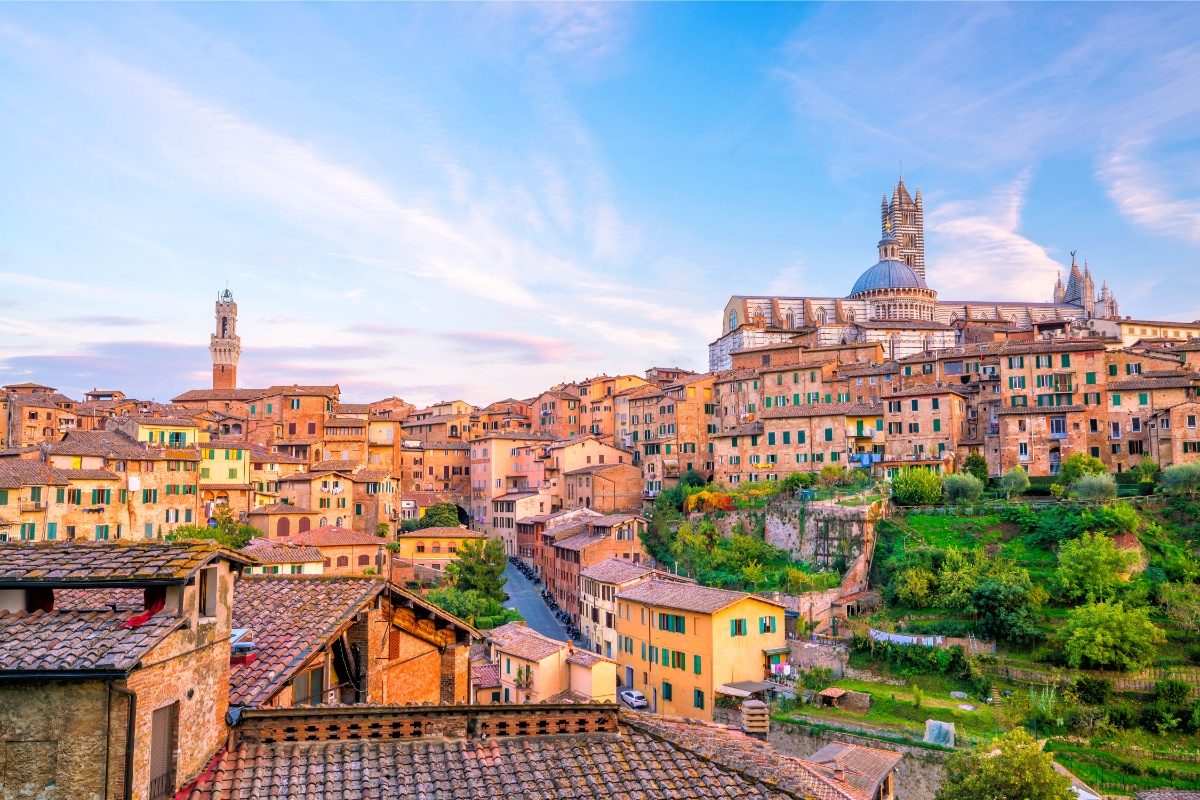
(327, 562)
(338, 522)
(454, 431)
(343, 561)
(283, 527)
(733, 319)
(364, 561)
(324, 521)
(224, 327)
(305, 524)
(420, 547)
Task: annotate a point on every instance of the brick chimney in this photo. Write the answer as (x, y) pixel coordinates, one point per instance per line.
(756, 719)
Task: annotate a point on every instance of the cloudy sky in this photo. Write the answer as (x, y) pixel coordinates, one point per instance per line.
(476, 201)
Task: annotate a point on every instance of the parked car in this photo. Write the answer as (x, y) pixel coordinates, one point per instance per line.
(633, 698)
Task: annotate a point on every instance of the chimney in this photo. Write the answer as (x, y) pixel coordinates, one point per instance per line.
(839, 774)
(756, 719)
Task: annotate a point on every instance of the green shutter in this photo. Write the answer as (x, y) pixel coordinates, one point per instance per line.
(733, 627)
(696, 664)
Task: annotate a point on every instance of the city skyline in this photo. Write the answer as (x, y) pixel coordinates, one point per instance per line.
(480, 201)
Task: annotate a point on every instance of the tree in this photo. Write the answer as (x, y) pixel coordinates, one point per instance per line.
(1094, 487)
(962, 488)
(480, 567)
(472, 607)
(796, 481)
(229, 531)
(1091, 566)
(975, 464)
(1006, 604)
(753, 574)
(691, 478)
(439, 515)
(1182, 479)
(1181, 603)
(1076, 465)
(1015, 481)
(916, 486)
(382, 529)
(1110, 636)
(1014, 767)
(914, 587)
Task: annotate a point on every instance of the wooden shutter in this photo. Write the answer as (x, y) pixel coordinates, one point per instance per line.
(162, 751)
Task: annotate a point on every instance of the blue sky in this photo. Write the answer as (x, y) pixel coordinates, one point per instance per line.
(477, 201)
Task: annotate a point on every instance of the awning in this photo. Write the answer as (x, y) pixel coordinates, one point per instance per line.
(744, 688)
(775, 651)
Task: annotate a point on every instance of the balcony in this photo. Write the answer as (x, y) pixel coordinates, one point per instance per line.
(32, 505)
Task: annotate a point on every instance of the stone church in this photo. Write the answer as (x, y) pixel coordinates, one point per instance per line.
(892, 304)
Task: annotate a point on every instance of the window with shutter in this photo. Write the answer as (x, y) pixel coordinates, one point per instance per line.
(163, 734)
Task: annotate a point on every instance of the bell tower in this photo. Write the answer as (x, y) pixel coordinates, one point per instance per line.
(225, 345)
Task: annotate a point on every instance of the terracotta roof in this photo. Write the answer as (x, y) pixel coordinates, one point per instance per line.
(439, 446)
(568, 696)
(866, 368)
(224, 444)
(18, 472)
(352, 408)
(89, 474)
(104, 444)
(88, 641)
(1176, 381)
(443, 532)
(823, 410)
(920, 391)
(266, 551)
(427, 499)
(486, 676)
(99, 599)
(289, 617)
(517, 495)
(518, 639)
(594, 468)
(586, 658)
(615, 570)
(615, 518)
(748, 429)
(333, 536)
(1035, 410)
(261, 453)
(335, 465)
(345, 422)
(685, 596)
(865, 767)
(581, 541)
(218, 394)
(295, 389)
(642, 759)
(105, 563)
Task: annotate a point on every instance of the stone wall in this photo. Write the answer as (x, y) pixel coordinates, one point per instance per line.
(62, 739)
(918, 775)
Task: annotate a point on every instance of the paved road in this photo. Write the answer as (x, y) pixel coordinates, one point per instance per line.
(527, 599)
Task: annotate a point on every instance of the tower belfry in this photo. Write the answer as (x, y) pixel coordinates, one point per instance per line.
(224, 344)
(905, 215)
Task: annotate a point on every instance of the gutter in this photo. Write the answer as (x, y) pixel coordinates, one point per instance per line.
(130, 730)
(31, 674)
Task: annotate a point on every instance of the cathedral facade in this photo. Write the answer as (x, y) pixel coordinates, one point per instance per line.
(891, 303)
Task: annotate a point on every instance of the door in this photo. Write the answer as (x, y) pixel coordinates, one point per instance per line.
(859, 428)
(629, 676)
(163, 736)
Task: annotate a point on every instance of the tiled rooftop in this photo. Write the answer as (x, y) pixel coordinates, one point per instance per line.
(67, 640)
(333, 536)
(266, 551)
(289, 617)
(18, 472)
(520, 640)
(642, 758)
(443, 533)
(865, 767)
(683, 596)
(823, 410)
(485, 676)
(79, 563)
(615, 570)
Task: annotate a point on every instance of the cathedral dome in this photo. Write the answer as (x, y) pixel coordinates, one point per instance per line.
(888, 274)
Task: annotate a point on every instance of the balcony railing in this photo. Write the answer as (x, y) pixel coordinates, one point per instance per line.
(32, 505)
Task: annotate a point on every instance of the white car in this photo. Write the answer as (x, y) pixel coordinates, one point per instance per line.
(633, 698)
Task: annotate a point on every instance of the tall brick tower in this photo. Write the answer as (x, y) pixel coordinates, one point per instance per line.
(225, 345)
(906, 217)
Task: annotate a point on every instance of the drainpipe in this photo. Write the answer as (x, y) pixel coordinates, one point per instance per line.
(130, 731)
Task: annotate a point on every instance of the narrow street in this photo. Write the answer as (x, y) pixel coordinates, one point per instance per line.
(527, 598)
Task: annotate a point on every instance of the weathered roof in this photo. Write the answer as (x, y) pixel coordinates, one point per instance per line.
(586, 658)
(591, 469)
(332, 536)
(615, 570)
(865, 767)
(77, 641)
(644, 757)
(615, 518)
(426, 499)
(1178, 381)
(443, 532)
(685, 596)
(281, 508)
(18, 472)
(518, 639)
(486, 676)
(335, 465)
(194, 395)
(266, 551)
(289, 617)
(105, 563)
(104, 444)
(581, 541)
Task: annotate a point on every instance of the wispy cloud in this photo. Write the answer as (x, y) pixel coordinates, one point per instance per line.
(108, 320)
(520, 348)
(1139, 192)
(981, 253)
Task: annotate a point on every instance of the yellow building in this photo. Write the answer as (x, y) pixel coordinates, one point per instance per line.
(161, 431)
(537, 669)
(431, 548)
(682, 644)
(225, 478)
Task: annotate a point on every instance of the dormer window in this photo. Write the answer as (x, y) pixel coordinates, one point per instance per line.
(206, 584)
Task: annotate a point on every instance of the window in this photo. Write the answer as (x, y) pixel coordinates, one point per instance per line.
(1191, 420)
(207, 585)
(1112, 369)
(766, 624)
(1023, 450)
(364, 561)
(343, 561)
(309, 687)
(1089, 378)
(696, 661)
(666, 690)
(164, 731)
(937, 426)
(1143, 398)
(698, 698)
(1065, 359)
(1115, 429)
(1116, 399)
(737, 627)
(829, 434)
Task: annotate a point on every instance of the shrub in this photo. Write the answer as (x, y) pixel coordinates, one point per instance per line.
(975, 464)
(1108, 635)
(916, 486)
(1090, 567)
(962, 488)
(1094, 487)
(1122, 716)
(1090, 690)
(1183, 479)
(1015, 481)
(796, 481)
